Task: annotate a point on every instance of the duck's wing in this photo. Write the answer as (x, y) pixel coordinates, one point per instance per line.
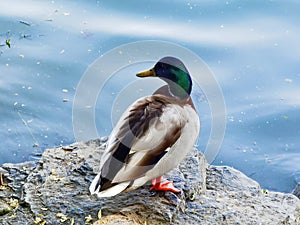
(141, 138)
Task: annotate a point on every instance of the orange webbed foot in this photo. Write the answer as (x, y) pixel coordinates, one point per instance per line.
(159, 185)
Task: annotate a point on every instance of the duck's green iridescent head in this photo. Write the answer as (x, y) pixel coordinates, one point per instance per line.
(173, 71)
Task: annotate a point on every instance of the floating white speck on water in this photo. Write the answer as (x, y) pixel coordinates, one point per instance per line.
(288, 80)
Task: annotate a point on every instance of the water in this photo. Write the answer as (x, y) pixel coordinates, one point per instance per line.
(251, 46)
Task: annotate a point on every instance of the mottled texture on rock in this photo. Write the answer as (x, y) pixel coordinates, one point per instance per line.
(296, 191)
(12, 201)
(242, 200)
(130, 219)
(55, 191)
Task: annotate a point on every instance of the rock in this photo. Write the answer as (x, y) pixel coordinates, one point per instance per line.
(296, 191)
(243, 201)
(118, 219)
(54, 190)
(4, 208)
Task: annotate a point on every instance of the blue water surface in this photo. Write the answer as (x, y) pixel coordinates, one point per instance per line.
(252, 47)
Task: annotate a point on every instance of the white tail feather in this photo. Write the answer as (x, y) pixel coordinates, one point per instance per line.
(112, 191)
(93, 185)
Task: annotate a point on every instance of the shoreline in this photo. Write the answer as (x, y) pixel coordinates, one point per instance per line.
(54, 190)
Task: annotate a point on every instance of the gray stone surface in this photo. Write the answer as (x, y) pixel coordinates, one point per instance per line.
(55, 191)
(296, 191)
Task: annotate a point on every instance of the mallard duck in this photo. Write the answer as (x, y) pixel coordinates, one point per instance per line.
(152, 136)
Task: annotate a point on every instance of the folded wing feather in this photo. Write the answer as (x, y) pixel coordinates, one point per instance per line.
(141, 138)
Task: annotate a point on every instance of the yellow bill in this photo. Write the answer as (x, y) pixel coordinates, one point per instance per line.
(148, 73)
